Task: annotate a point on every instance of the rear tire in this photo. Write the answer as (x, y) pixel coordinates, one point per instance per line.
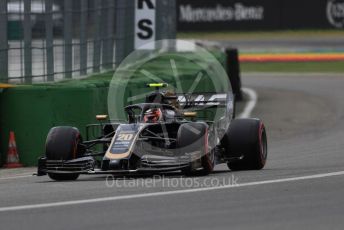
(247, 138)
(193, 137)
(62, 144)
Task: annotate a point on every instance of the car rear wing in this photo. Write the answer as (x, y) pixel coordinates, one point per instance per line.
(203, 101)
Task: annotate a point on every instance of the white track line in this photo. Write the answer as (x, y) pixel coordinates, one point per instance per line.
(251, 103)
(155, 194)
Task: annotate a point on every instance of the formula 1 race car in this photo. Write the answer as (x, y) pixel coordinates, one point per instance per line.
(163, 134)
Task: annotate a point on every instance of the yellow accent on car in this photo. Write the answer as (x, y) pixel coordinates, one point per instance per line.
(190, 114)
(154, 85)
(101, 117)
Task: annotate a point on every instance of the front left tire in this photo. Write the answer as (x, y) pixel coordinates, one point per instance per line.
(63, 144)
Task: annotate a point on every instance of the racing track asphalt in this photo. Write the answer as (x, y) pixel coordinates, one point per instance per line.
(304, 117)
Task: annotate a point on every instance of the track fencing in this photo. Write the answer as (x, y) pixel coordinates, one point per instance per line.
(50, 40)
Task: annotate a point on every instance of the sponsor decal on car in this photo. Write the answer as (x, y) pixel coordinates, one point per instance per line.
(203, 99)
(122, 142)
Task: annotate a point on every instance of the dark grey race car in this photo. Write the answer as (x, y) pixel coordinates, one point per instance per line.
(159, 137)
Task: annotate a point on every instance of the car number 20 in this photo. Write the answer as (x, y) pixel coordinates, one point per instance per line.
(125, 136)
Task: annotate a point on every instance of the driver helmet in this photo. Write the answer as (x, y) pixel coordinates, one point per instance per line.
(173, 102)
(152, 115)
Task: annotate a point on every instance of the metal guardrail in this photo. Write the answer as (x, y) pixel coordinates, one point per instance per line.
(50, 40)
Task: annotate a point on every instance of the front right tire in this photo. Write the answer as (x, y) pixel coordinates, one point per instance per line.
(246, 138)
(193, 137)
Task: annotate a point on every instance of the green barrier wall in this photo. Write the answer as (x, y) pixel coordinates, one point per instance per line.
(31, 111)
